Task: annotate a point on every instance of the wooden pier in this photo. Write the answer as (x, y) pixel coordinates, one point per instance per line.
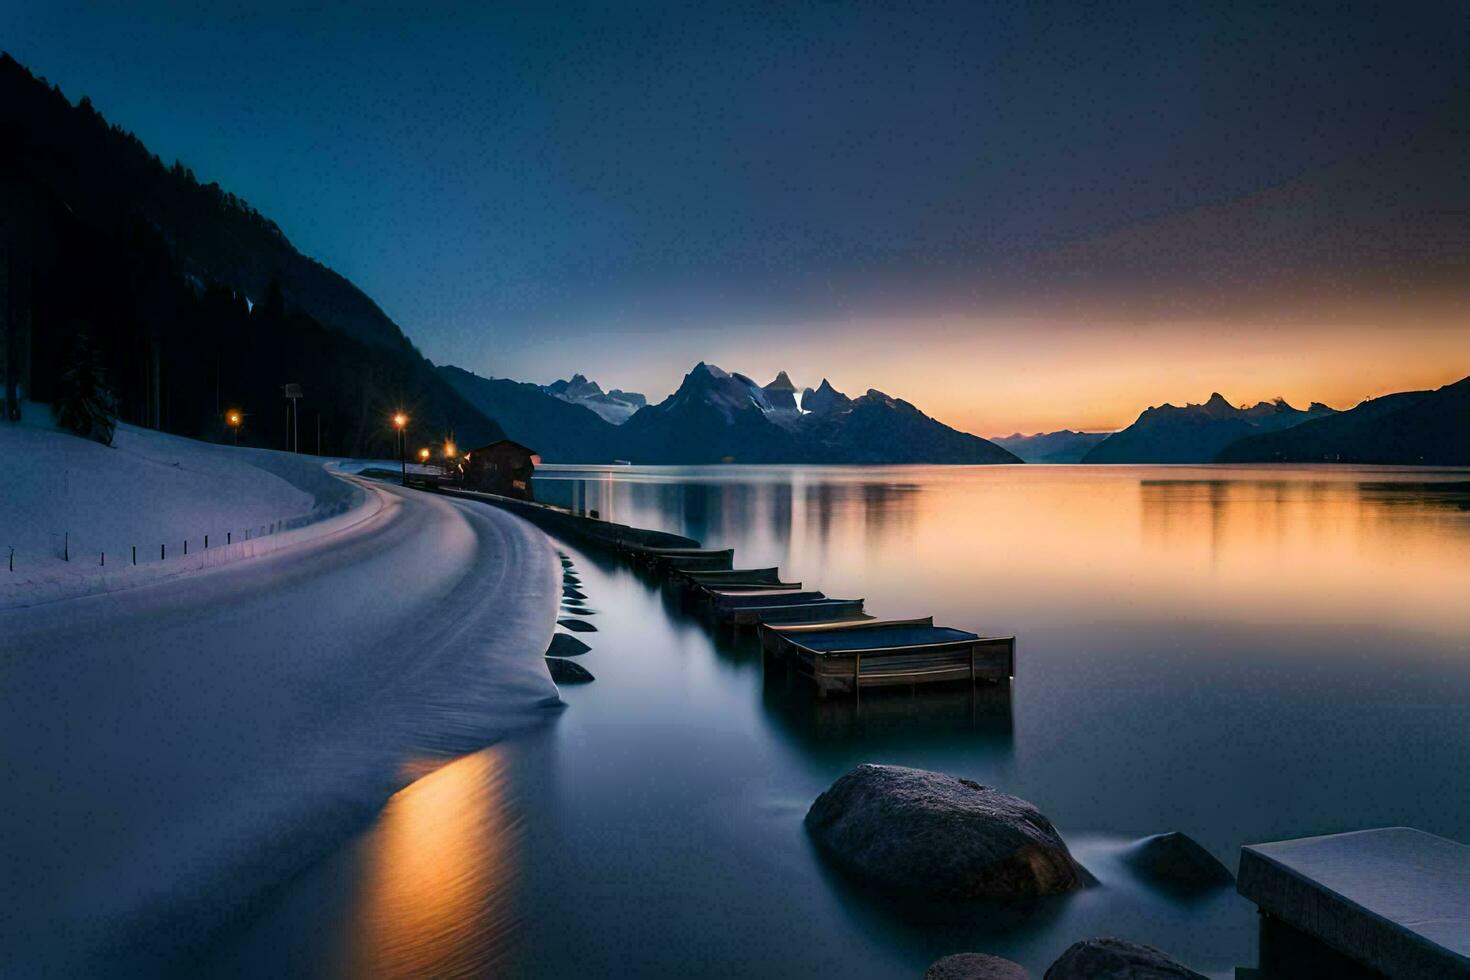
(832, 641)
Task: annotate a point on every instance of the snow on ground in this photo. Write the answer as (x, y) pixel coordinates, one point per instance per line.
(61, 495)
(172, 754)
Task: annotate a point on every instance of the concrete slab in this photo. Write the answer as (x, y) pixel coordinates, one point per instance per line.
(1394, 899)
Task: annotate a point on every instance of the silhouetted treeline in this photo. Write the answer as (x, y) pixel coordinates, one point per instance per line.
(105, 240)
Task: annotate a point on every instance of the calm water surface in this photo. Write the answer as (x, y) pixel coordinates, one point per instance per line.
(1239, 654)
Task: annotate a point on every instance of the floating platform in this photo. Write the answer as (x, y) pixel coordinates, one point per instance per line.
(769, 575)
(1392, 902)
(832, 640)
(846, 657)
(784, 606)
(686, 559)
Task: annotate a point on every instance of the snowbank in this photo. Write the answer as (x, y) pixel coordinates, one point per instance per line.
(73, 511)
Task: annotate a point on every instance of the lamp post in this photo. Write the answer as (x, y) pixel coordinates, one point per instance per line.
(233, 418)
(400, 422)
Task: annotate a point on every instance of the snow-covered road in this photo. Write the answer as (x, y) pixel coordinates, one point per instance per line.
(169, 753)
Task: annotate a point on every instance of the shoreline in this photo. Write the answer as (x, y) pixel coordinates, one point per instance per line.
(287, 757)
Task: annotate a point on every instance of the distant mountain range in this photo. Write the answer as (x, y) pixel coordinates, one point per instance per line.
(1197, 433)
(1428, 428)
(613, 406)
(1064, 446)
(717, 416)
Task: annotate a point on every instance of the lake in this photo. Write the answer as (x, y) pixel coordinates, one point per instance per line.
(1241, 654)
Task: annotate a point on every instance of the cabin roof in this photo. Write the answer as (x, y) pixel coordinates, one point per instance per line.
(502, 444)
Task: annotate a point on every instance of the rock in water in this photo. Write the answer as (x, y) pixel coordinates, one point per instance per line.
(1117, 959)
(922, 831)
(568, 592)
(1178, 862)
(975, 966)
(566, 645)
(568, 672)
(577, 625)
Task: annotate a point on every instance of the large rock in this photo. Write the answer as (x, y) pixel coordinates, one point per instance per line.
(1177, 862)
(921, 831)
(1117, 959)
(975, 966)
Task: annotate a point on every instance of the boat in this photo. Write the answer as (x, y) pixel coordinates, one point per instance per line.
(845, 657)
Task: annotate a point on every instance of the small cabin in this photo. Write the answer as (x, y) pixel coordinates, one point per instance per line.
(503, 467)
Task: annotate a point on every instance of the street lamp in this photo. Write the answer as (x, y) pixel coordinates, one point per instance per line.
(424, 455)
(400, 422)
(233, 419)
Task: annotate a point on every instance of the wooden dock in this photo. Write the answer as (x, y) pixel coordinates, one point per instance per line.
(832, 641)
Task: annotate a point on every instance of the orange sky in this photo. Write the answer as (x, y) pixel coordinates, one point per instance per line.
(997, 376)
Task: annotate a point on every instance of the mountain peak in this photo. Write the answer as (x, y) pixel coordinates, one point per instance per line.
(781, 383)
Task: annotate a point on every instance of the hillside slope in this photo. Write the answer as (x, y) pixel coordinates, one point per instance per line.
(559, 430)
(1419, 428)
(197, 302)
(1196, 433)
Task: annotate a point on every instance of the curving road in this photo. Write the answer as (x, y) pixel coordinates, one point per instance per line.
(172, 752)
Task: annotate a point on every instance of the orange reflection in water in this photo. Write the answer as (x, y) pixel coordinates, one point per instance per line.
(438, 872)
(1004, 547)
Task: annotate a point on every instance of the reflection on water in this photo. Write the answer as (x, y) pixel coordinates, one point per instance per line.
(1277, 543)
(1238, 654)
(435, 892)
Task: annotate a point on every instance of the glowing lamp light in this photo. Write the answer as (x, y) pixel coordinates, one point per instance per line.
(400, 420)
(424, 454)
(449, 450)
(232, 418)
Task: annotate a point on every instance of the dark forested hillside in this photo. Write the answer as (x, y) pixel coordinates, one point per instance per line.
(161, 272)
(1410, 428)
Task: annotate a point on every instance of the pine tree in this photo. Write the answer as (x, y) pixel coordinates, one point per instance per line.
(85, 402)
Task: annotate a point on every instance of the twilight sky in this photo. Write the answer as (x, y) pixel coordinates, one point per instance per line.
(1017, 217)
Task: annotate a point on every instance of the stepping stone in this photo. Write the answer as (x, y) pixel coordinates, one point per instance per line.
(577, 625)
(571, 593)
(571, 580)
(566, 645)
(579, 611)
(568, 672)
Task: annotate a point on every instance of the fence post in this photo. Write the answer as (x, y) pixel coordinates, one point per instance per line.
(12, 559)
(206, 542)
(103, 559)
(186, 546)
(135, 554)
(66, 546)
(162, 552)
(229, 535)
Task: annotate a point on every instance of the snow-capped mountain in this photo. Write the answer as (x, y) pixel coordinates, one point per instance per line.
(719, 416)
(614, 406)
